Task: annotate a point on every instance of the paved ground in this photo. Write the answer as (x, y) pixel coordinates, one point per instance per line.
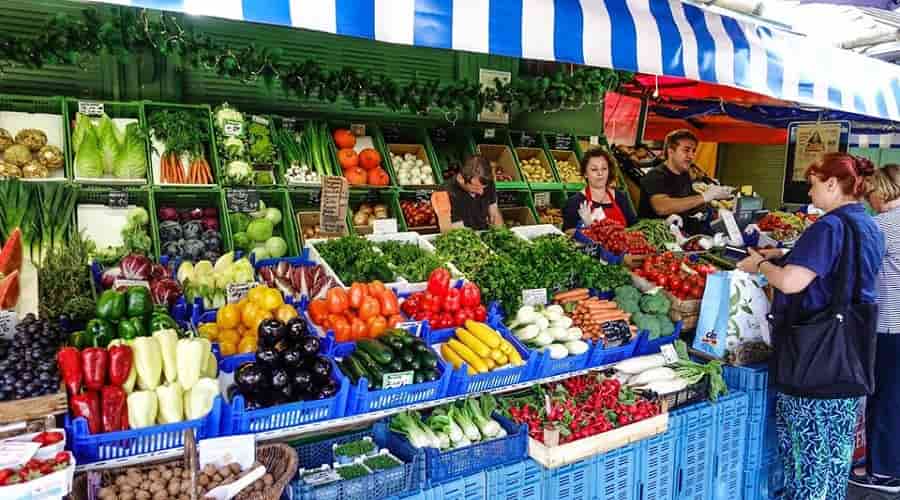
(854, 493)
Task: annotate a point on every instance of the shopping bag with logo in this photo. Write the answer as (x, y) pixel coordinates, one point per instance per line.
(732, 323)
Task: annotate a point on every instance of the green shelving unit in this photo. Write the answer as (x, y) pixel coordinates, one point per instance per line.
(528, 146)
(517, 206)
(495, 146)
(562, 146)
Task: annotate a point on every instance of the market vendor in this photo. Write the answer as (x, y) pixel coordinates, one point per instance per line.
(668, 188)
(598, 200)
(473, 196)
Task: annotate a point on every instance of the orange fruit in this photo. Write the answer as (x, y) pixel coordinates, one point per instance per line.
(247, 344)
(229, 336)
(228, 316)
(248, 314)
(271, 299)
(209, 331)
(255, 294)
(285, 312)
(227, 348)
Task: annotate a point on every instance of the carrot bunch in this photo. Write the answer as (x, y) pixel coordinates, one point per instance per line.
(591, 314)
(172, 170)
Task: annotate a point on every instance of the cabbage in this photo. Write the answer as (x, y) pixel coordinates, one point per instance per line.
(131, 157)
(110, 141)
(83, 125)
(88, 160)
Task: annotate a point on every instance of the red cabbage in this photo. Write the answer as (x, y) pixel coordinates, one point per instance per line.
(210, 223)
(211, 212)
(168, 213)
(136, 267)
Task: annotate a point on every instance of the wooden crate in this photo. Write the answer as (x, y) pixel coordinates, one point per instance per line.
(504, 158)
(25, 410)
(531, 153)
(519, 214)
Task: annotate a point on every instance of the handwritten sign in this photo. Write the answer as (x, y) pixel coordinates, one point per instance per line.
(391, 133)
(541, 199)
(8, 322)
(534, 297)
(397, 379)
(237, 291)
(439, 136)
(90, 108)
(117, 199)
(384, 226)
(124, 284)
(260, 120)
(526, 140)
(242, 200)
(232, 128)
(333, 207)
(668, 352)
(561, 142)
(489, 133)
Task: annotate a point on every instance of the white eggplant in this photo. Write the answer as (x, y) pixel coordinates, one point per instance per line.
(527, 332)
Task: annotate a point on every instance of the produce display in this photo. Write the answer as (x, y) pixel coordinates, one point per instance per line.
(656, 231)
(409, 260)
(412, 171)
(599, 320)
(178, 140)
(701, 187)
(35, 468)
(649, 311)
(444, 306)
(451, 426)
(260, 233)
(125, 315)
(306, 153)
(364, 311)
(362, 167)
(550, 215)
(481, 348)
(135, 235)
(174, 482)
(785, 226)
(548, 329)
(190, 234)
(26, 361)
(652, 373)
(365, 215)
(297, 281)
(210, 282)
(287, 368)
(500, 175)
(245, 144)
(236, 325)
(579, 407)
(42, 212)
(569, 171)
(28, 155)
(104, 148)
(536, 171)
(394, 351)
(418, 213)
(679, 276)
(355, 259)
(616, 239)
(164, 290)
(310, 231)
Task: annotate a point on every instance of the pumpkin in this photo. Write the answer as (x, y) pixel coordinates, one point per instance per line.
(378, 177)
(348, 158)
(344, 139)
(369, 159)
(355, 176)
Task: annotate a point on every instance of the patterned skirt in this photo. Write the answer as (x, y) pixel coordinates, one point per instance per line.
(816, 441)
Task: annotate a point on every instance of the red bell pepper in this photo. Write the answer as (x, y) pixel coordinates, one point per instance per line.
(120, 361)
(112, 400)
(87, 405)
(439, 282)
(94, 364)
(451, 300)
(470, 295)
(431, 302)
(69, 361)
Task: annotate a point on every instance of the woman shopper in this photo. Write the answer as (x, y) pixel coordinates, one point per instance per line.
(598, 200)
(824, 329)
(882, 419)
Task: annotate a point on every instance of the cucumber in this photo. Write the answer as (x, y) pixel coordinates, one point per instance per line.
(394, 343)
(347, 366)
(416, 365)
(419, 346)
(407, 356)
(427, 359)
(402, 336)
(395, 366)
(378, 351)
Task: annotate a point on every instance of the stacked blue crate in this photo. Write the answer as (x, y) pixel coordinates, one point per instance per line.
(615, 474)
(571, 482)
(656, 465)
(519, 481)
(731, 442)
(695, 450)
(472, 487)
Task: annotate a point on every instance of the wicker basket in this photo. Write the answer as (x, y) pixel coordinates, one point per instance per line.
(280, 461)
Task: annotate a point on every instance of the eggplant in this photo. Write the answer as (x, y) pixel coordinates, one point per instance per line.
(302, 381)
(271, 331)
(297, 329)
(232, 391)
(267, 357)
(249, 378)
(279, 378)
(291, 357)
(327, 390)
(309, 346)
(320, 367)
(287, 392)
(212, 240)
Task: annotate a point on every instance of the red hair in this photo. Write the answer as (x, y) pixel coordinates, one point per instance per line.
(850, 172)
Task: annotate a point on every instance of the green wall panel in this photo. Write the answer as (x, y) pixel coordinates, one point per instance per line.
(880, 157)
(759, 166)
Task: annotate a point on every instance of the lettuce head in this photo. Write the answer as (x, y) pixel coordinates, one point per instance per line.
(130, 161)
(88, 159)
(110, 141)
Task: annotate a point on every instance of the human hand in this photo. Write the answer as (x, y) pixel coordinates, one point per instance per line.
(717, 193)
(585, 213)
(750, 264)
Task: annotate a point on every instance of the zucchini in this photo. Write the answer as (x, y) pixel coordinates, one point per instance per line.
(416, 365)
(373, 369)
(395, 366)
(418, 345)
(419, 377)
(431, 375)
(427, 359)
(394, 343)
(402, 336)
(378, 351)
(407, 357)
(352, 369)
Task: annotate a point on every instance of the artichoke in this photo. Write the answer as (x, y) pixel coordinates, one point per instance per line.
(6, 140)
(34, 170)
(33, 138)
(9, 170)
(17, 154)
(50, 157)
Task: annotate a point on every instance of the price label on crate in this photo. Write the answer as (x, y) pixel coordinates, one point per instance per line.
(260, 120)
(117, 199)
(411, 326)
(384, 226)
(595, 140)
(397, 379)
(8, 321)
(668, 352)
(315, 197)
(232, 128)
(526, 140)
(439, 136)
(237, 291)
(541, 199)
(90, 108)
(358, 129)
(561, 142)
(534, 297)
(391, 134)
(124, 284)
(490, 133)
(242, 200)
(507, 198)
(372, 196)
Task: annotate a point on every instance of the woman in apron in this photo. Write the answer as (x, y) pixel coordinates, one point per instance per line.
(598, 200)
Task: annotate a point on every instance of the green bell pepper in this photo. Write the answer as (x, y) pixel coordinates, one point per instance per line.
(138, 302)
(80, 340)
(132, 328)
(100, 331)
(162, 321)
(111, 305)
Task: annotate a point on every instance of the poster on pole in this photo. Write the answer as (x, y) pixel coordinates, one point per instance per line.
(808, 142)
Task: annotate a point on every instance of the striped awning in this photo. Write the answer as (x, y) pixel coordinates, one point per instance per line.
(664, 37)
(883, 141)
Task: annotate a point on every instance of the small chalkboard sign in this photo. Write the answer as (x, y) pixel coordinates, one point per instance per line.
(507, 198)
(242, 200)
(423, 195)
(561, 142)
(117, 199)
(315, 197)
(391, 133)
(440, 136)
(526, 140)
(372, 196)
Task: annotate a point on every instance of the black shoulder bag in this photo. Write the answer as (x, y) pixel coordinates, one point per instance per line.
(830, 354)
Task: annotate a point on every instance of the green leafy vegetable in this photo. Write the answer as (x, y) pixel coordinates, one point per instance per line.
(131, 157)
(355, 260)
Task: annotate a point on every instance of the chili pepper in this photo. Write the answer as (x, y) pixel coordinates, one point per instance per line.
(138, 302)
(69, 361)
(121, 360)
(113, 402)
(111, 305)
(94, 363)
(87, 405)
(439, 282)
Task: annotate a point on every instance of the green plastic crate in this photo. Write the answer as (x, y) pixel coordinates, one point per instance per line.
(194, 198)
(249, 118)
(556, 199)
(450, 146)
(372, 131)
(562, 146)
(56, 130)
(305, 210)
(115, 110)
(499, 148)
(414, 140)
(518, 205)
(142, 197)
(372, 196)
(204, 116)
(413, 196)
(296, 124)
(277, 198)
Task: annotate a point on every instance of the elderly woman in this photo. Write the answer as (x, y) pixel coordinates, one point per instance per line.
(819, 372)
(882, 418)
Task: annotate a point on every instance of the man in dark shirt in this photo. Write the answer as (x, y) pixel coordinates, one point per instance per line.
(668, 188)
(473, 196)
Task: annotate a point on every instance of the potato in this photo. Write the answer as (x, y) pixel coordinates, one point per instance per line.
(184, 497)
(174, 488)
(120, 480)
(224, 471)
(217, 479)
(143, 495)
(154, 475)
(107, 493)
(209, 470)
(167, 474)
(156, 486)
(203, 479)
(126, 488)
(146, 485)
(126, 496)
(161, 495)
(235, 467)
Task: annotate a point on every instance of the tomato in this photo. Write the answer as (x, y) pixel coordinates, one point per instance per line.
(662, 280)
(338, 301)
(675, 283)
(377, 325)
(394, 320)
(341, 328)
(358, 291)
(358, 329)
(369, 308)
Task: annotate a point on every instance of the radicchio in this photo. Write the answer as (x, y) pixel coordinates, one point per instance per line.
(158, 271)
(110, 276)
(165, 291)
(136, 267)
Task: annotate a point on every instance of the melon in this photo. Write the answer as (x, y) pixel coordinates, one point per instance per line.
(9, 290)
(11, 255)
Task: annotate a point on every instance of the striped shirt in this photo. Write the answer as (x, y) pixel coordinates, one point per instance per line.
(888, 283)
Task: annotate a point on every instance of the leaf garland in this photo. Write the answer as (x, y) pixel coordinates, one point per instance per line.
(67, 40)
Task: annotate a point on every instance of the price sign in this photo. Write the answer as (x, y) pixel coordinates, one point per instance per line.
(124, 284)
(358, 129)
(489, 133)
(384, 226)
(90, 108)
(372, 196)
(15, 453)
(397, 379)
(561, 142)
(8, 322)
(117, 199)
(260, 120)
(541, 199)
(415, 327)
(668, 352)
(526, 140)
(391, 134)
(439, 136)
(242, 200)
(232, 128)
(315, 197)
(423, 195)
(333, 208)
(595, 140)
(507, 198)
(237, 291)
(534, 297)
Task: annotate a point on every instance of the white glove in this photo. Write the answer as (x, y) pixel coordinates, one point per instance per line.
(584, 212)
(717, 193)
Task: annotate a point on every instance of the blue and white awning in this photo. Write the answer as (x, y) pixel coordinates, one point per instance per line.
(662, 37)
(883, 141)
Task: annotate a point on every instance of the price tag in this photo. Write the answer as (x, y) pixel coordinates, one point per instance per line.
(333, 207)
(669, 353)
(90, 108)
(358, 129)
(595, 140)
(289, 122)
(507, 198)
(534, 297)
(489, 133)
(384, 226)
(423, 195)
(541, 199)
(8, 322)
(232, 128)
(562, 142)
(372, 196)
(397, 379)
(14, 453)
(260, 120)
(315, 197)
(439, 136)
(225, 450)
(391, 134)
(237, 291)
(526, 140)
(411, 326)
(124, 284)
(242, 200)
(117, 199)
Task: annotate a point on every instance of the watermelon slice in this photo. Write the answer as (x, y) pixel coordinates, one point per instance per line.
(9, 291)
(11, 255)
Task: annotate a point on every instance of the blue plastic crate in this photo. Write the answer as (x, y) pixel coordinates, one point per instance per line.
(731, 442)
(571, 482)
(615, 474)
(747, 378)
(762, 442)
(518, 481)
(447, 465)
(601, 356)
(89, 448)
(764, 482)
(696, 448)
(597, 250)
(656, 466)
(472, 487)
(647, 346)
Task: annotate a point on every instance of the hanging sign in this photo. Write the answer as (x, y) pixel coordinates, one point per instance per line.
(333, 208)
(808, 142)
(488, 79)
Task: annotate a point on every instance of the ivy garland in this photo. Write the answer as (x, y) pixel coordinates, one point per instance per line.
(65, 40)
